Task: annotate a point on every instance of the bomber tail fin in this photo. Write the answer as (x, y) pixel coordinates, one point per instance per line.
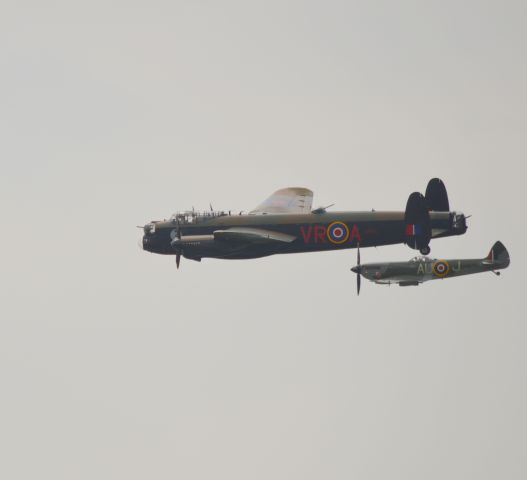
(417, 222)
(436, 196)
(498, 255)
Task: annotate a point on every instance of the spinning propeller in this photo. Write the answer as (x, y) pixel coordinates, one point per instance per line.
(176, 243)
(358, 269)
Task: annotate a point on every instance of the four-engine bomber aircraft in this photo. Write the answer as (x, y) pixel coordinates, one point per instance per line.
(285, 223)
(422, 269)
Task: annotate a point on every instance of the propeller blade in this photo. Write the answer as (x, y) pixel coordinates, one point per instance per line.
(358, 268)
(178, 247)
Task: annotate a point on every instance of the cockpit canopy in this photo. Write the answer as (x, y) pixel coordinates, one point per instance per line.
(191, 216)
(420, 258)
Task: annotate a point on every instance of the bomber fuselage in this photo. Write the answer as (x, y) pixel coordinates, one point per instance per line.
(313, 232)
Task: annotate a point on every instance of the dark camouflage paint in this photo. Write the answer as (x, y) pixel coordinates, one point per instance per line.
(375, 228)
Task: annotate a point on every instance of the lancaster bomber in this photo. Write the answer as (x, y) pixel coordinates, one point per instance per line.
(423, 269)
(286, 223)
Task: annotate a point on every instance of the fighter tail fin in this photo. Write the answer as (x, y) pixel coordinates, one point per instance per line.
(498, 255)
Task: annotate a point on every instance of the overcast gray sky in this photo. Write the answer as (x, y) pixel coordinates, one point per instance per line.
(114, 365)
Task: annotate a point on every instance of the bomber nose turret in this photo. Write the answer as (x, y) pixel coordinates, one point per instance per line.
(148, 237)
(149, 243)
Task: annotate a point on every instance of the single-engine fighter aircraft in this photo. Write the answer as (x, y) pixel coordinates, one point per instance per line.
(285, 223)
(422, 269)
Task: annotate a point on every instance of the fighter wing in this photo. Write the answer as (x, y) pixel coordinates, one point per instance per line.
(286, 200)
(252, 235)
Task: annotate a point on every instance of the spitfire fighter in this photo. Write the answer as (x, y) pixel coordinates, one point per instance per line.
(423, 269)
(286, 223)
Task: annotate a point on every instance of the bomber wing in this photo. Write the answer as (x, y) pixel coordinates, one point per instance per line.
(287, 200)
(252, 235)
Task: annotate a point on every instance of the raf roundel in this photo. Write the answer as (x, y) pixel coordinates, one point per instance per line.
(441, 268)
(338, 233)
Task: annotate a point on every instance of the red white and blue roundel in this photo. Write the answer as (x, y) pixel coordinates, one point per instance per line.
(441, 268)
(338, 232)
